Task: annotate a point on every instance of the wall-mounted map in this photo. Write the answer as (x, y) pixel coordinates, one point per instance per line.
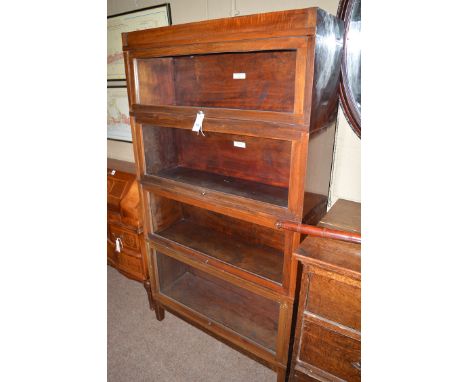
(118, 116)
(146, 18)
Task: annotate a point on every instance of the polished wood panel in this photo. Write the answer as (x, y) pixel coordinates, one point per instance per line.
(118, 186)
(335, 255)
(235, 228)
(218, 154)
(160, 149)
(155, 81)
(334, 353)
(131, 264)
(267, 124)
(335, 299)
(301, 377)
(298, 22)
(268, 83)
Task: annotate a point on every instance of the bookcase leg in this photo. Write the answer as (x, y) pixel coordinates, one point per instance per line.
(147, 286)
(159, 312)
(281, 375)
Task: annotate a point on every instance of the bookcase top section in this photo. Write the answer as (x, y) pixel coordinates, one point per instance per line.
(297, 22)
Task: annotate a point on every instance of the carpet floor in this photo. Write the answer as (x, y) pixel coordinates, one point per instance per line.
(142, 349)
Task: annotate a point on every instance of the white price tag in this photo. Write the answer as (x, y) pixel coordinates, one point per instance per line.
(238, 76)
(239, 144)
(197, 126)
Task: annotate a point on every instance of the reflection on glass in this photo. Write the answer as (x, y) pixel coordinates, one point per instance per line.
(353, 55)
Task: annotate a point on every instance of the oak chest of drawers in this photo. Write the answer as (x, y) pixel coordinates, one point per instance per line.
(328, 329)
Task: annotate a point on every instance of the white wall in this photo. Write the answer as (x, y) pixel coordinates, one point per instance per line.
(346, 177)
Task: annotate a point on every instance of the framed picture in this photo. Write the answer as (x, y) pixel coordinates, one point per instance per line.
(151, 17)
(118, 115)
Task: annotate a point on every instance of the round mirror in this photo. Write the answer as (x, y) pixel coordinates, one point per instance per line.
(350, 85)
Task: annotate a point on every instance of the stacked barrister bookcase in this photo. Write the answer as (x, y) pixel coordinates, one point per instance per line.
(264, 88)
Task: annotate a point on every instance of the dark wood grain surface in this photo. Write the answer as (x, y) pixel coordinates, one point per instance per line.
(332, 254)
(261, 159)
(330, 351)
(298, 22)
(268, 83)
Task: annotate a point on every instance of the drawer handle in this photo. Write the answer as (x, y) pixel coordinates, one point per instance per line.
(357, 365)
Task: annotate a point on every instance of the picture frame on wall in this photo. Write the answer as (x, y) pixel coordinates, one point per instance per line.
(118, 114)
(145, 18)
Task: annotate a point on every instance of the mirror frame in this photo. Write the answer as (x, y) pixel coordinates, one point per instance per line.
(347, 102)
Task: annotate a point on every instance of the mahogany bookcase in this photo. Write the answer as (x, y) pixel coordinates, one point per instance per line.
(266, 85)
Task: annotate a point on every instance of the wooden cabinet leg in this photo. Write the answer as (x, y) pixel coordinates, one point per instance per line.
(153, 305)
(159, 312)
(147, 286)
(281, 375)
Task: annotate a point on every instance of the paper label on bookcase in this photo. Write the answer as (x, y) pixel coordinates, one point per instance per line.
(239, 144)
(198, 122)
(238, 76)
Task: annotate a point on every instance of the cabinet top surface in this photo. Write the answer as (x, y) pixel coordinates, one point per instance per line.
(297, 22)
(344, 215)
(335, 255)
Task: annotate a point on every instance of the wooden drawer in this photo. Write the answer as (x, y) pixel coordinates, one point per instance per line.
(130, 240)
(335, 298)
(130, 263)
(330, 351)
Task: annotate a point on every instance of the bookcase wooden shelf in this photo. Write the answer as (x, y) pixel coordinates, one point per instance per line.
(267, 86)
(212, 161)
(248, 247)
(253, 317)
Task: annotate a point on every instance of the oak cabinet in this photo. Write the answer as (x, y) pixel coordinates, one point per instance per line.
(263, 86)
(327, 344)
